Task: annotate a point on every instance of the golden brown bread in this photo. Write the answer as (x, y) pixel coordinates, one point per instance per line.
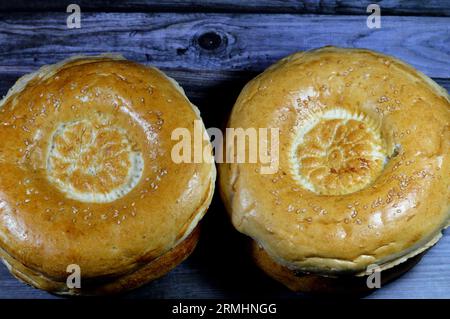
(320, 284)
(364, 162)
(87, 175)
(110, 284)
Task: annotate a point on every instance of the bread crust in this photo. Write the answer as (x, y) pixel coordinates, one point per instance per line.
(312, 225)
(87, 174)
(148, 272)
(319, 284)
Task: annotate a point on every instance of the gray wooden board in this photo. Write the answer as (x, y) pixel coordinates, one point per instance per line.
(247, 41)
(213, 78)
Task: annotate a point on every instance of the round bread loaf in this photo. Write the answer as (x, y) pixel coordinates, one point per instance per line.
(363, 170)
(87, 177)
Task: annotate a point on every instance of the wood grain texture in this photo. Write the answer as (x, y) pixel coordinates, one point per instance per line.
(388, 7)
(242, 42)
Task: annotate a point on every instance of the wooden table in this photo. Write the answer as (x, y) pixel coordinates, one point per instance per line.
(213, 48)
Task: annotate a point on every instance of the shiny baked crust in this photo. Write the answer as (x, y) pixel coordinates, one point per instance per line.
(364, 162)
(87, 175)
(320, 284)
(107, 285)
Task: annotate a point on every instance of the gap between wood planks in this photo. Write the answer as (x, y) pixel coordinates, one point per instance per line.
(389, 7)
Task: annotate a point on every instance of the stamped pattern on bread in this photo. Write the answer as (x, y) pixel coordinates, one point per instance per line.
(92, 161)
(337, 153)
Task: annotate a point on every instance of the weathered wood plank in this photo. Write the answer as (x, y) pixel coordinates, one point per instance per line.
(218, 41)
(388, 7)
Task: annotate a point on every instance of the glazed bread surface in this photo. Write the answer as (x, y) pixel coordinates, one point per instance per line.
(364, 162)
(87, 176)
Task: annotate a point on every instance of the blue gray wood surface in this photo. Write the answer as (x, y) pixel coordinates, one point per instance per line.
(213, 48)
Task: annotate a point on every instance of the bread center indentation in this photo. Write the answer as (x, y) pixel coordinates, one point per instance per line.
(337, 152)
(91, 160)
